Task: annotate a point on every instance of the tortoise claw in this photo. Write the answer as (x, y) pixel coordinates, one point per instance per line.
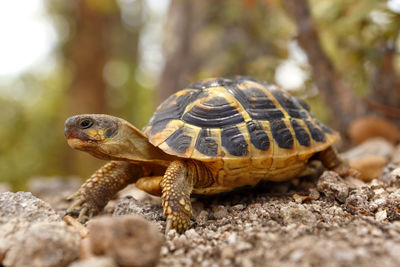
(80, 208)
(83, 216)
(75, 205)
(74, 196)
(168, 227)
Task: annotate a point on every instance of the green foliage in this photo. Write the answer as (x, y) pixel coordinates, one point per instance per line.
(32, 139)
(352, 33)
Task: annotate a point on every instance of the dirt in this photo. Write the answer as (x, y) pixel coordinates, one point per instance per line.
(313, 221)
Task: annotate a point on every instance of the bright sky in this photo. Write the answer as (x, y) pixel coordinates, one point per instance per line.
(26, 37)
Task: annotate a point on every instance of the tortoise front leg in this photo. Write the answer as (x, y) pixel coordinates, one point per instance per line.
(96, 191)
(177, 185)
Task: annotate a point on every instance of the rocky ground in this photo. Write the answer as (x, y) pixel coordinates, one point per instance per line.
(320, 221)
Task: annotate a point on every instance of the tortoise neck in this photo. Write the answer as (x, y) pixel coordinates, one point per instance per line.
(132, 145)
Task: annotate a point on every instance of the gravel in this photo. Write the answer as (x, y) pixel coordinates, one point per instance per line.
(315, 221)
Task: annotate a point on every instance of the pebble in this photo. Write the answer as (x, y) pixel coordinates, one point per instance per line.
(220, 212)
(192, 234)
(374, 146)
(266, 227)
(39, 244)
(238, 207)
(333, 186)
(381, 216)
(202, 218)
(130, 240)
(95, 261)
(25, 206)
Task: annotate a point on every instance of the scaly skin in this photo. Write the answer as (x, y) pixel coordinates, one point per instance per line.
(177, 185)
(95, 193)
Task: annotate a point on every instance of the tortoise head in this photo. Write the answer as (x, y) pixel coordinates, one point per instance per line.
(108, 137)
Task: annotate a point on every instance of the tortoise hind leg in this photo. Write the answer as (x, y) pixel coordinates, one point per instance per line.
(95, 193)
(330, 159)
(150, 185)
(177, 185)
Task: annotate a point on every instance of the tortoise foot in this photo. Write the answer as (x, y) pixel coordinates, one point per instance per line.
(80, 208)
(176, 188)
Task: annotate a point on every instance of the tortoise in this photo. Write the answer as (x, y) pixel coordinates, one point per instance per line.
(213, 136)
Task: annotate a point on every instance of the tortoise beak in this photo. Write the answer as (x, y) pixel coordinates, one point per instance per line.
(71, 131)
(69, 128)
(68, 133)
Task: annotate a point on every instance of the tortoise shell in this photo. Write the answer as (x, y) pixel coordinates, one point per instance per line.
(236, 118)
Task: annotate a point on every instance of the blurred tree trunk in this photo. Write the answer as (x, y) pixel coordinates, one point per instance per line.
(87, 52)
(185, 19)
(336, 93)
(384, 98)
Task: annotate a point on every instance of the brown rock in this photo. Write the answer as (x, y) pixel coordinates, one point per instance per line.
(369, 127)
(220, 212)
(130, 240)
(370, 166)
(298, 215)
(333, 186)
(358, 200)
(377, 147)
(391, 176)
(95, 262)
(39, 244)
(130, 206)
(25, 206)
(396, 155)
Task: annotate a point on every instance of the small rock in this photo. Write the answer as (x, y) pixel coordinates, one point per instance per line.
(202, 218)
(387, 176)
(354, 182)
(381, 215)
(129, 205)
(333, 186)
(130, 240)
(371, 126)
(393, 178)
(232, 238)
(220, 212)
(370, 166)
(179, 241)
(238, 207)
(358, 199)
(376, 147)
(396, 155)
(314, 194)
(227, 253)
(25, 206)
(241, 246)
(295, 215)
(95, 261)
(192, 234)
(132, 191)
(43, 244)
(197, 207)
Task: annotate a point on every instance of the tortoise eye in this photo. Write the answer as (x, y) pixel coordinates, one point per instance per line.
(86, 123)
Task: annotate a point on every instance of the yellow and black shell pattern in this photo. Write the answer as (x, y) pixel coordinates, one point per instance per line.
(236, 118)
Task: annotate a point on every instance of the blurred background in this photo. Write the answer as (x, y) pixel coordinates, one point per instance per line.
(123, 57)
